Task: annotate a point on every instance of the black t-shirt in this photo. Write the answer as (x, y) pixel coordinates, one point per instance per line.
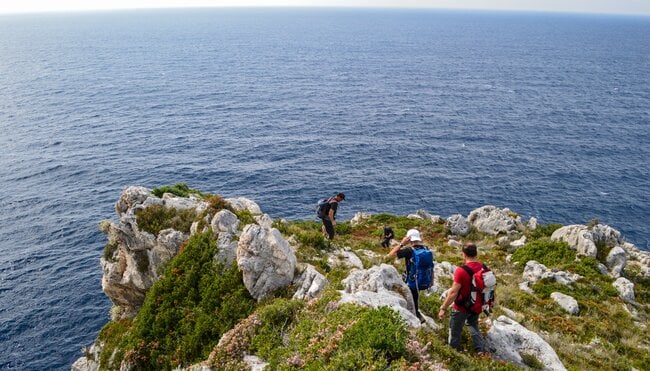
(334, 205)
(407, 254)
(388, 233)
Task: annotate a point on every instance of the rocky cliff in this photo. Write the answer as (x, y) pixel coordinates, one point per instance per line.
(201, 282)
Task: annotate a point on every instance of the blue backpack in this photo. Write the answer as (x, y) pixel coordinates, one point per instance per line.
(420, 275)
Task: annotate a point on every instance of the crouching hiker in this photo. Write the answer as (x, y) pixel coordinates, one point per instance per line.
(471, 293)
(419, 265)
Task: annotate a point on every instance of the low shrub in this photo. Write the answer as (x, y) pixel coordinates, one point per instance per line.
(188, 309)
(155, 218)
(547, 252)
(109, 251)
(179, 189)
(543, 231)
(245, 218)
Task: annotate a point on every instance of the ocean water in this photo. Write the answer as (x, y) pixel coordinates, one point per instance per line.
(547, 114)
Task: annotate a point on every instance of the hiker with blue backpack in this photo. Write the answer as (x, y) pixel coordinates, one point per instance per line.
(326, 211)
(471, 293)
(419, 265)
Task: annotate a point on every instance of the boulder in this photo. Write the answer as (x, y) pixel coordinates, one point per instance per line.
(457, 225)
(226, 248)
(379, 286)
(532, 223)
(225, 221)
(625, 289)
(508, 340)
(525, 287)
(131, 197)
(492, 220)
(172, 201)
(243, 203)
(441, 270)
(345, 258)
(264, 220)
(578, 237)
(359, 218)
(616, 261)
(518, 243)
(534, 271)
(423, 214)
(310, 283)
(266, 260)
(569, 304)
(606, 235)
(503, 241)
(455, 244)
(415, 217)
(89, 362)
(436, 219)
(255, 363)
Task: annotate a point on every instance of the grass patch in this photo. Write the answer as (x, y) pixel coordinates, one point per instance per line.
(543, 231)
(155, 218)
(245, 218)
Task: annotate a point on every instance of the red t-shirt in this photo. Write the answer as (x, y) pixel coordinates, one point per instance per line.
(465, 281)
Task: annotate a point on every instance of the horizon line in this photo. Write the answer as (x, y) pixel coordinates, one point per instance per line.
(359, 7)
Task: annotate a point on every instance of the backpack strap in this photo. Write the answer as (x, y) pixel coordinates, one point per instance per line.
(469, 271)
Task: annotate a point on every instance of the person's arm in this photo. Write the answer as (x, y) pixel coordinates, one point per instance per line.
(451, 296)
(394, 250)
(331, 216)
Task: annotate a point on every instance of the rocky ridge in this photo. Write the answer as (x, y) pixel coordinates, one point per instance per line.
(269, 260)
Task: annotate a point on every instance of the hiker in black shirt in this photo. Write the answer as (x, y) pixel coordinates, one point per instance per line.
(329, 217)
(388, 235)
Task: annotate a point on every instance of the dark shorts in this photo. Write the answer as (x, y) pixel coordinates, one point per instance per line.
(328, 227)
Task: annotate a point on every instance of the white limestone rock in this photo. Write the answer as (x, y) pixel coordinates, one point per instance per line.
(226, 248)
(345, 258)
(525, 287)
(414, 217)
(604, 234)
(579, 238)
(225, 221)
(380, 286)
(266, 260)
(568, 303)
(503, 241)
(255, 363)
(359, 218)
(534, 271)
(264, 220)
(492, 220)
(518, 243)
(532, 223)
(616, 261)
(457, 225)
(131, 197)
(172, 201)
(310, 283)
(625, 289)
(243, 203)
(436, 219)
(508, 340)
(454, 243)
(90, 362)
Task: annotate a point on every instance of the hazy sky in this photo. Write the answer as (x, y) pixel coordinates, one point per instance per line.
(641, 7)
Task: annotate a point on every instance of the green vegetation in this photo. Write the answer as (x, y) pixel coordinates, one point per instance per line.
(179, 189)
(186, 311)
(245, 217)
(547, 252)
(197, 300)
(155, 218)
(109, 250)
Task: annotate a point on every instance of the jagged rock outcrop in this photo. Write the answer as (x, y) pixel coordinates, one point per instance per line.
(266, 260)
(616, 261)
(606, 235)
(359, 218)
(578, 237)
(345, 258)
(264, 220)
(243, 203)
(310, 283)
(225, 221)
(534, 271)
(568, 303)
(90, 362)
(380, 286)
(134, 257)
(492, 220)
(457, 225)
(508, 340)
(625, 289)
(226, 248)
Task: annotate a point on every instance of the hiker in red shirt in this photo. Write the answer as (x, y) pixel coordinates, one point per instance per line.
(460, 290)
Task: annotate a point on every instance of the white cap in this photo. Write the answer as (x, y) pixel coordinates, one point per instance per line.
(413, 235)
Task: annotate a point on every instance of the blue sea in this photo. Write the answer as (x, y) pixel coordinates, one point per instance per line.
(547, 114)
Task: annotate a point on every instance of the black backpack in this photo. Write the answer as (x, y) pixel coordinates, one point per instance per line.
(323, 207)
